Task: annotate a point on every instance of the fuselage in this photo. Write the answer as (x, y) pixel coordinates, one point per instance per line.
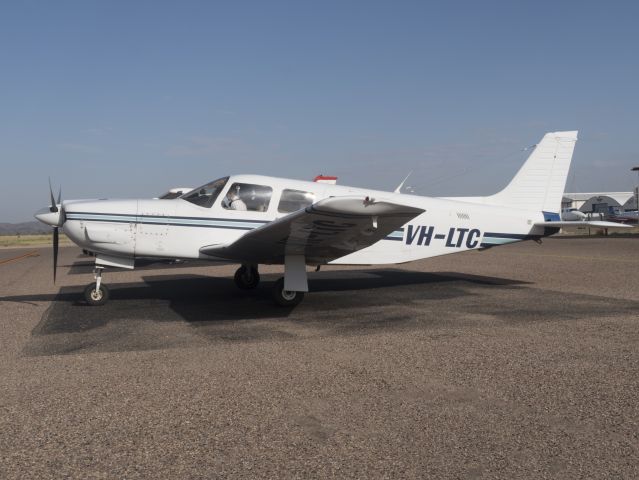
(179, 228)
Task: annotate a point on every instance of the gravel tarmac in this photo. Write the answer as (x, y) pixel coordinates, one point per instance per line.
(517, 362)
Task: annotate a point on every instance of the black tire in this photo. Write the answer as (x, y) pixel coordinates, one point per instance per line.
(247, 279)
(94, 297)
(285, 298)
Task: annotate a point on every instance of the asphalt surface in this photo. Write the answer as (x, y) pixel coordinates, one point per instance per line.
(518, 362)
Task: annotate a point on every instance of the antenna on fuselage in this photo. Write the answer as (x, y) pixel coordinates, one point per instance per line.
(399, 187)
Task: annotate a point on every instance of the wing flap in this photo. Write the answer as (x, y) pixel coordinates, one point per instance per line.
(324, 231)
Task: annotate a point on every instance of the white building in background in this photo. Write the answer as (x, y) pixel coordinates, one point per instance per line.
(600, 202)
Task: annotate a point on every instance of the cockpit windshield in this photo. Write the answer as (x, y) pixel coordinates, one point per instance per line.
(206, 195)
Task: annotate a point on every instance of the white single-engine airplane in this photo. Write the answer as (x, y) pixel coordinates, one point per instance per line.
(252, 220)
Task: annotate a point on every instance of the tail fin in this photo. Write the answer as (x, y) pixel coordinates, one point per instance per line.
(540, 182)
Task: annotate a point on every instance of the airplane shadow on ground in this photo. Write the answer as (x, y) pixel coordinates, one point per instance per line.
(181, 311)
(186, 310)
(202, 299)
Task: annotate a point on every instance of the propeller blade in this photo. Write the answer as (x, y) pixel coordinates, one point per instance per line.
(55, 251)
(54, 206)
(59, 196)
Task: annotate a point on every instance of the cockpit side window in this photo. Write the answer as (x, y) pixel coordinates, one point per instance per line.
(206, 195)
(247, 197)
(293, 200)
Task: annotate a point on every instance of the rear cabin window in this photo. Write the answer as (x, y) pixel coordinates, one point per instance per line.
(293, 200)
(247, 197)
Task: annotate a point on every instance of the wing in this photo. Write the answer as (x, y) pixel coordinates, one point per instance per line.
(584, 223)
(324, 231)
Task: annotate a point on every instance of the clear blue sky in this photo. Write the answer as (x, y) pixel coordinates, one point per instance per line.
(130, 98)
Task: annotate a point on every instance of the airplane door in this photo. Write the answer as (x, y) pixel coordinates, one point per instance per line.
(152, 233)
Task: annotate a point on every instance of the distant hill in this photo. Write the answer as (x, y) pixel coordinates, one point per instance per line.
(24, 228)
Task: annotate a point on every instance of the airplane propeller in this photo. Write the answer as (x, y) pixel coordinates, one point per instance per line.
(53, 208)
(56, 242)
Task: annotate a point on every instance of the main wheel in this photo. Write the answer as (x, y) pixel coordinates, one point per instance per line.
(96, 297)
(247, 278)
(286, 298)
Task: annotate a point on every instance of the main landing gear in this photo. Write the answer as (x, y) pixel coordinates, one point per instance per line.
(286, 298)
(96, 293)
(247, 277)
(287, 291)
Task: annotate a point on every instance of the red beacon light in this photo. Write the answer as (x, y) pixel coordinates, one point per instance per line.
(325, 179)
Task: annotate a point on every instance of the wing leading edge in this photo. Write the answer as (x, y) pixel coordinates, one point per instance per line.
(327, 230)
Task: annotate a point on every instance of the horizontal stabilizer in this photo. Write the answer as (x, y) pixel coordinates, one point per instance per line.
(593, 224)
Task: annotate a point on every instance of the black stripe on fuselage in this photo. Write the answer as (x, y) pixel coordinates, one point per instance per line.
(179, 224)
(227, 227)
(517, 236)
(212, 219)
(513, 236)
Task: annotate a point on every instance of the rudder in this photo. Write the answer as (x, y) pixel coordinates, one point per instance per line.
(540, 182)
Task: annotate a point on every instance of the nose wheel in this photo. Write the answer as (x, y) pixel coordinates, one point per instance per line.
(96, 293)
(247, 277)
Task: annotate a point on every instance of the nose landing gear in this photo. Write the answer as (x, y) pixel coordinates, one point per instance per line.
(96, 293)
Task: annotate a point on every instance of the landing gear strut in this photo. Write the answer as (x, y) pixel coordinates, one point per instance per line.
(96, 294)
(247, 277)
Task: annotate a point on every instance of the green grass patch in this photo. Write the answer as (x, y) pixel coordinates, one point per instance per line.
(31, 240)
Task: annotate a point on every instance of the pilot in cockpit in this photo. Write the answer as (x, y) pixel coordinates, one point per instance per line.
(233, 201)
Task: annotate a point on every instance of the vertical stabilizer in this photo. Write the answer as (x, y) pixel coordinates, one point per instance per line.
(540, 182)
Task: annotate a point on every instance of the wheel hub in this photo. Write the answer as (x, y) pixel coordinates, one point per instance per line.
(288, 294)
(96, 295)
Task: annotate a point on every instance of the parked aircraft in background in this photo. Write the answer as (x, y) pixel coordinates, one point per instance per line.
(624, 217)
(572, 214)
(175, 193)
(253, 220)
